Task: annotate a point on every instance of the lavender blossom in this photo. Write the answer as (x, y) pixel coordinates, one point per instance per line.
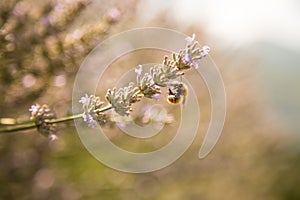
(122, 98)
(89, 119)
(34, 109)
(42, 115)
(90, 104)
(148, 87)
(85, 100)
(205, 51)
(188, 60)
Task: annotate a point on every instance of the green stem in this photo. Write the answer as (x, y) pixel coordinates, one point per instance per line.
(31, 124)
(17, 128)
(65, 119)
(12, 121)
(103, 109)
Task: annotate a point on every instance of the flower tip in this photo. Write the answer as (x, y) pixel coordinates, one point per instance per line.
(193, 36)
(190, 40)
(206, 48)
(84, 100)
(34, 109)
(196, 65)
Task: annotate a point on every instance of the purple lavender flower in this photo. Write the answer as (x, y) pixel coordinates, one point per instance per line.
(34, 109)
(205, 51)
(90, 104)
(188, 60)
(41, 116)
(85, 100)
(193, 52)
(89, 119)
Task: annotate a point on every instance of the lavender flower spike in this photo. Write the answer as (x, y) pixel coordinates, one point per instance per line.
(194, 52)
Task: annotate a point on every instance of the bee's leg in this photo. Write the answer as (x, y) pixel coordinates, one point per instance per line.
(183, 100)
(170, 92)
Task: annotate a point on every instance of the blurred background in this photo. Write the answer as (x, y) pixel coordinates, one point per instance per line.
(256, 46)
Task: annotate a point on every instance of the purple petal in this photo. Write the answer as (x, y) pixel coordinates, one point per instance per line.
(34, 109)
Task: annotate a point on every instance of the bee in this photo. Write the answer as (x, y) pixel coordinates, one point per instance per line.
(177, 93)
